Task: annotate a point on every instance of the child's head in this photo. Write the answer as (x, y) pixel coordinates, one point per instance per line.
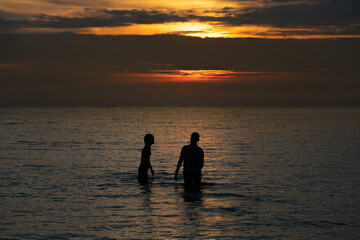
(149, 139)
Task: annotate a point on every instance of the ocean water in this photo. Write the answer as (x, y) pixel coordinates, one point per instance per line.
(270, 173)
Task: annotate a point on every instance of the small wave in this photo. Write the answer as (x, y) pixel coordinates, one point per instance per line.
(108, 185)
(236, 210)
(227, 195)
(22, 195)
(36, 166)
(323, 224)
(14, 123)
(31, 142)
(102, 228)
(229, 209)
(333, 223)
(58, 236)
(58, 199)
(108, 196)
(94, 149)
(111, 207)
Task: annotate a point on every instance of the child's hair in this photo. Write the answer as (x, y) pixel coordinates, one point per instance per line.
(148, 139)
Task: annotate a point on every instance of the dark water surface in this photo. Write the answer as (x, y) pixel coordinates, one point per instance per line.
(270, 173)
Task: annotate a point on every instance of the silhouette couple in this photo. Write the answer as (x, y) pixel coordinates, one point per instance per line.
(191, 155)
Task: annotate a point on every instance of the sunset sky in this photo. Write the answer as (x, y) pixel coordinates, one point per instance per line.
(188, 52)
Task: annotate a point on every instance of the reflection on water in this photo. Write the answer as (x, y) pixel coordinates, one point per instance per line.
(192, 211)
(146, 192)
(193, 203)
(269, 173)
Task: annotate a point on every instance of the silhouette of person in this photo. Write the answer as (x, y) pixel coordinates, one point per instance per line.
(193, 157)
(145, 164)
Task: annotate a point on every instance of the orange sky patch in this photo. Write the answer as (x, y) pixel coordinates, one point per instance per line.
(193, 29)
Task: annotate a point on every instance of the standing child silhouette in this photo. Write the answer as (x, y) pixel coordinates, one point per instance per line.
(145, 164)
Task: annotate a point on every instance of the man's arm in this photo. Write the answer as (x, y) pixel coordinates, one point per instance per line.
(202, 159)
(181, 159)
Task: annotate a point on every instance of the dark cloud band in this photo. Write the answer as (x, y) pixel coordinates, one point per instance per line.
(71, 69)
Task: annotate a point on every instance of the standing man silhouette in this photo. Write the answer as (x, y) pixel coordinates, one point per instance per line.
(193, 157)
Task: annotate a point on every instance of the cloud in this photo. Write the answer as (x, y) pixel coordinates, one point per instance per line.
(284, 14)
(7, 15)
(70, 3)
(95, 18)
(319, 13)
(330, 31)
(171, 52)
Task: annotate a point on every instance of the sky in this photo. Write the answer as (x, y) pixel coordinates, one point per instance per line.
(176, 53)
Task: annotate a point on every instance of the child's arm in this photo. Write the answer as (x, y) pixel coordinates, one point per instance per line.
(151, 169)
(148, 160)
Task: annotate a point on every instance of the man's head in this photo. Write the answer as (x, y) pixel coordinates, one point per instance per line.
(195, 137)
(149, 139)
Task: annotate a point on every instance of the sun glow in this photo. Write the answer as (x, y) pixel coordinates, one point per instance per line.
(194, 75)
(204, 76)
(201, 75)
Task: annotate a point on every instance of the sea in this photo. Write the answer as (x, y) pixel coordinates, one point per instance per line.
(269, 173)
